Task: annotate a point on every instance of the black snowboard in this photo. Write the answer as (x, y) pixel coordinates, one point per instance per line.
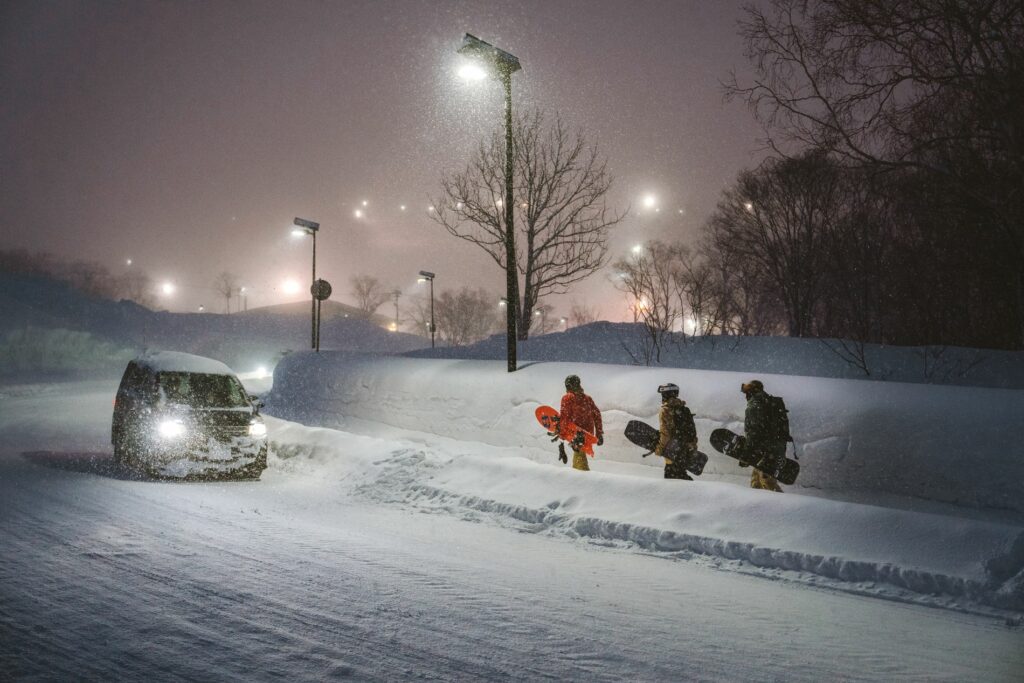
(735, 446)
(645, 436)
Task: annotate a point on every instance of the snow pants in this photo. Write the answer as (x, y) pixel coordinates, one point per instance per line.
(579, 461)
(760, 480)
(677, 468)
(774, 454)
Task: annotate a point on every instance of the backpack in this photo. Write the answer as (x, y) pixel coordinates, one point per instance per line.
(778, 418)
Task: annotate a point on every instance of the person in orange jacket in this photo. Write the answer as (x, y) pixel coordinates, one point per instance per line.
(579, 409)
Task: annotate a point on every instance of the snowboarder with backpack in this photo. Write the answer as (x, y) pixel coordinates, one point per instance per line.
(677, 440)
(766, 427)
(579, 409)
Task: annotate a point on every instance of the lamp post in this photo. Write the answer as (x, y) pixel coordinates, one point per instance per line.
(426, 276)
(502, 65)
(542, 314)
(304, 227)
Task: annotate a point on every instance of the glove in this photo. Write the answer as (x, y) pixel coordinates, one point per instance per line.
(577, 441)
(561, 454)
(600, 440)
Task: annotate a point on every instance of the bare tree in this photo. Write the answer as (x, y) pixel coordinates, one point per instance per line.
(650, 277)
(464, 317)
(582, 314)
(369, 293)
(561, 185)
(226, 285)
(902, 84)
(138, 287)
(782, 217)
(92, 278)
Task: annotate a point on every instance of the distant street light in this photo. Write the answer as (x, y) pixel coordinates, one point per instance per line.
(244, 293)
(167, 288)
(564, 321)
(426, 276)
(304, 227)
(487, 59)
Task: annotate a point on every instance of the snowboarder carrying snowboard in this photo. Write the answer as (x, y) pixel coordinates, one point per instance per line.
(579, 409)
(766, 428)
(675, 422)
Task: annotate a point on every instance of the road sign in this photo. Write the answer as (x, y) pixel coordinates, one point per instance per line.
(321, 290)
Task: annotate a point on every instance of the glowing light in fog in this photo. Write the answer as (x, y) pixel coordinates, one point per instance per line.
(167, 288)
(471, 72)
(291, 287)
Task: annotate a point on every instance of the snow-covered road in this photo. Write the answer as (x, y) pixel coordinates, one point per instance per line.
(293, 577)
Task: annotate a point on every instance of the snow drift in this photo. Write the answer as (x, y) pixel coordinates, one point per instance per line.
(952, 444)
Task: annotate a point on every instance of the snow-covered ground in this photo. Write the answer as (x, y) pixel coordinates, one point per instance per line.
(340, 564)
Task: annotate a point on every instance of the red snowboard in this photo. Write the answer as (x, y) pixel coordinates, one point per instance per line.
(567, 431)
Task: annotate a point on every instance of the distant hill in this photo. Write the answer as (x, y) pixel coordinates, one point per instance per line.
(48, 309)
(629, 344)
(328, 311)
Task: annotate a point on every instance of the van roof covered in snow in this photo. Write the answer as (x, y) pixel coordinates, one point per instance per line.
(174, 361)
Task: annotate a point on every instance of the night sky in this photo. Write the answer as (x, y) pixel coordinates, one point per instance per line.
(187, 135)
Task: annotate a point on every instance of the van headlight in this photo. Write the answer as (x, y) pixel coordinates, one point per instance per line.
(171, 429)
(257, 429)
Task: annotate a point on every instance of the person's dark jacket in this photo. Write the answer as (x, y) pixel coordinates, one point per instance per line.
(758, 428)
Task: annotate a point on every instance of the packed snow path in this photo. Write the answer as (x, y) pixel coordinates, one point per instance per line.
(103, 576)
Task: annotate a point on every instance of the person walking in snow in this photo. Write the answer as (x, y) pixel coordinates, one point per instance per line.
(579, 409)
(767, 446)
(677, 438)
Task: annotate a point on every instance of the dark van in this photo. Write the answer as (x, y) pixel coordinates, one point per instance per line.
(179, 415)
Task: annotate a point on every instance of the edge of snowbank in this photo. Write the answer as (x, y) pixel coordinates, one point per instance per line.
(921, 557)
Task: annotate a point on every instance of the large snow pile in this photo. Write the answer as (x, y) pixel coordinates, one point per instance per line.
(953, 444)
(499, 465)
(113, 331)
(629, 344)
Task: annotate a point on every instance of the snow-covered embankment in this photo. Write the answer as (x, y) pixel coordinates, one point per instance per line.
(885, 438)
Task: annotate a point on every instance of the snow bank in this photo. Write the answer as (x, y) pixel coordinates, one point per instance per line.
(952, 444)
(871, 550)
(627, 344)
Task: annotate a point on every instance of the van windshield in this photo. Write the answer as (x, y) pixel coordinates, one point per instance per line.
(202, 390)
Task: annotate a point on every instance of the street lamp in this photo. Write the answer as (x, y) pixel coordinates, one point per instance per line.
(487, 59)
(426, 276)
(304, 227)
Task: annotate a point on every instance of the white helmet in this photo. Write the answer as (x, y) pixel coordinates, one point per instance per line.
(669, 388)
